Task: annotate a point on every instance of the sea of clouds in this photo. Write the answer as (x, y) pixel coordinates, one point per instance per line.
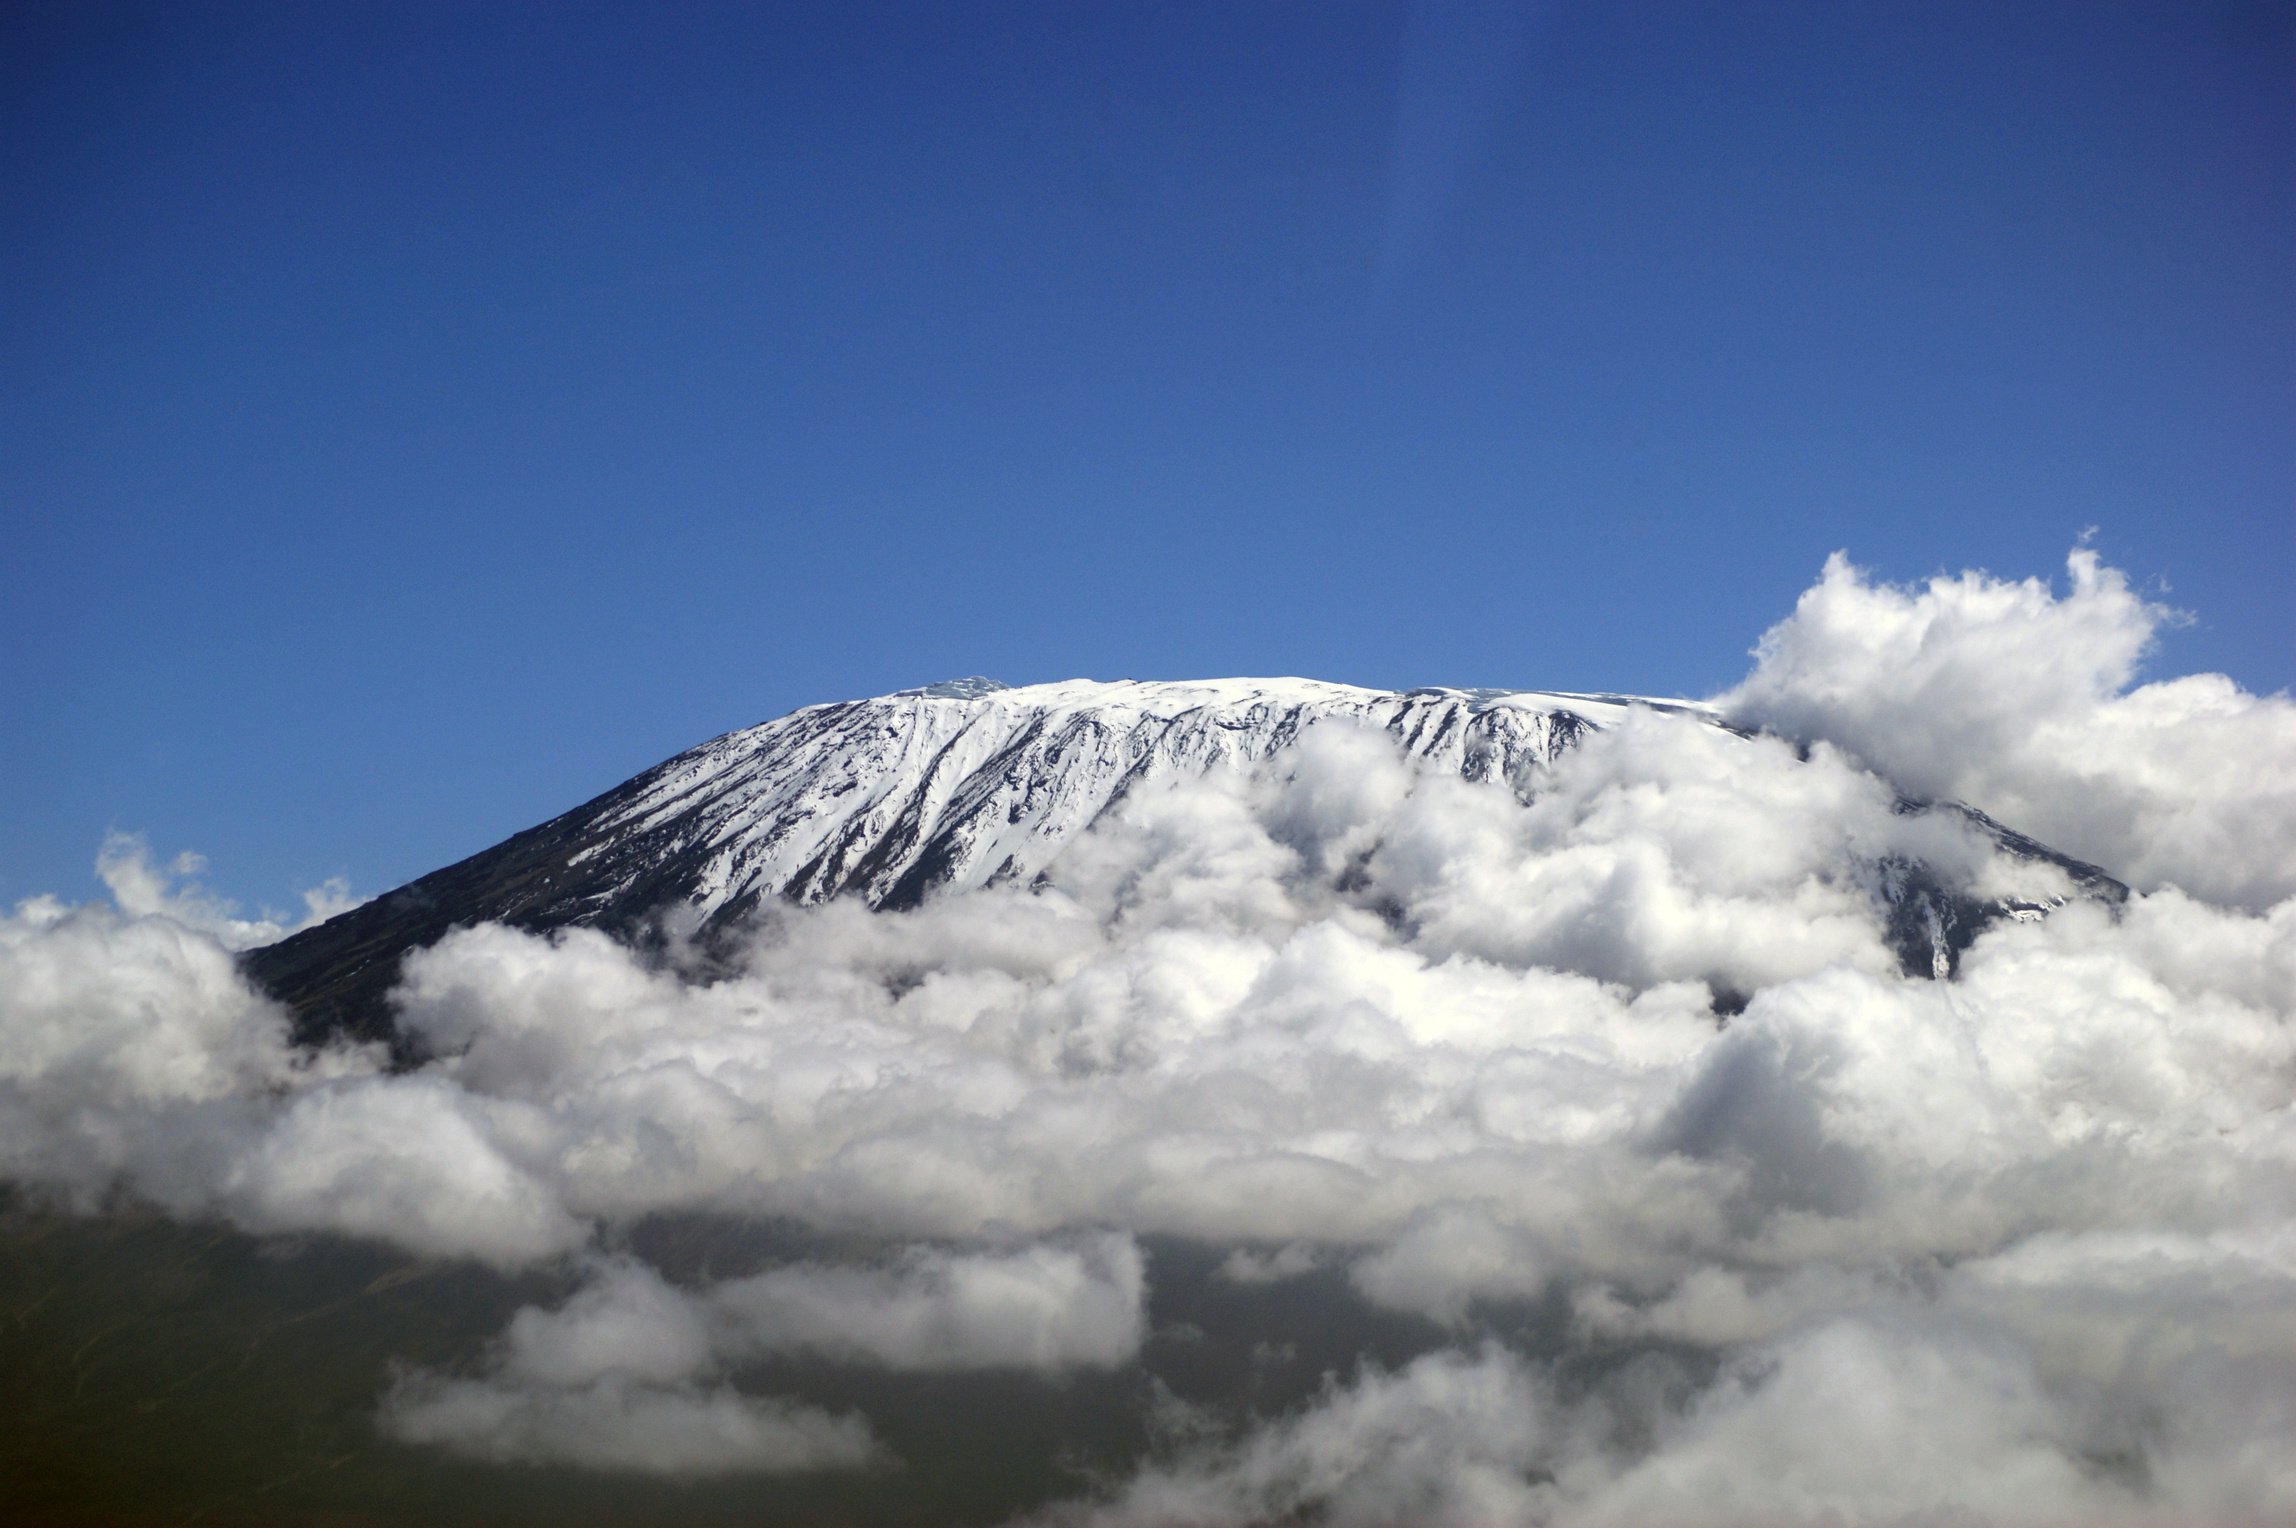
(2018, 1247)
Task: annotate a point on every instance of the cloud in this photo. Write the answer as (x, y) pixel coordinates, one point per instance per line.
(1903, 1413)
(1048, 1307)
(410, 1160)
(2009, 696)
(1877, 1419)
(142, 888)
(629, 1372)
(1605, 1083)
(1452, 1438)
(1447, 1257)
(617, 1379)
(130, 1047)
(613, 1424)
(1247, 1265)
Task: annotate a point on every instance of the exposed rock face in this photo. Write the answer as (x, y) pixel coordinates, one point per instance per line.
(954, 786)
(1930, 923)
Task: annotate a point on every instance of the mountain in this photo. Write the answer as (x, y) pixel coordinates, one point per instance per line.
(954, 786)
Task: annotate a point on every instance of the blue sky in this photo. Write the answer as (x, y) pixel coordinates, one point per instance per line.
(414, 419)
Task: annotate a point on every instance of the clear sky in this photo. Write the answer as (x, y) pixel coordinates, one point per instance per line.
(416, 418)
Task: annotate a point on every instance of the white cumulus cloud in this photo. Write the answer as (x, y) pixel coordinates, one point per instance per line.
(2022, 701)
(1614, 1092)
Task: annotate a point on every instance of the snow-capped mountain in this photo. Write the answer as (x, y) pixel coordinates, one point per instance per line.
(953, 786)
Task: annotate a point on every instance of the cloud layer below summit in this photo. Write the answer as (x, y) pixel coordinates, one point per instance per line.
(2020, 1244)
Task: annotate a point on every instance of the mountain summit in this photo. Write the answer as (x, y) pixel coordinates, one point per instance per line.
(959, 785)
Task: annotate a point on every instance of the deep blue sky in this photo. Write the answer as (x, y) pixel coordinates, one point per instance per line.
(416, 418)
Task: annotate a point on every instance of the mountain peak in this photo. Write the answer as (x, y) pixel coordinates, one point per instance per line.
(971, 687)
(948, 787)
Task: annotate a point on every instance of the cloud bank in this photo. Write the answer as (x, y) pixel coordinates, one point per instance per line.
(1705, 1212)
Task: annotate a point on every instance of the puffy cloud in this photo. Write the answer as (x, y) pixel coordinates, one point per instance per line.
(1871, 1418)
(617, 1380)
(409, 1160)
(2014, 698)
(629, 1373)
(1663, 849)
(125, 1011)
(626, 1321)
(1047, 1307)
(1448, 1257)
(131, 1047)
(143, 888)
(615, 1424)
(1901, 1413)
(1337, 1077)
(1451, 1438)
(1615, 1064)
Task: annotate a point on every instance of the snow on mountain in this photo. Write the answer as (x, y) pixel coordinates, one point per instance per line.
(967, 783)
(955, 785)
